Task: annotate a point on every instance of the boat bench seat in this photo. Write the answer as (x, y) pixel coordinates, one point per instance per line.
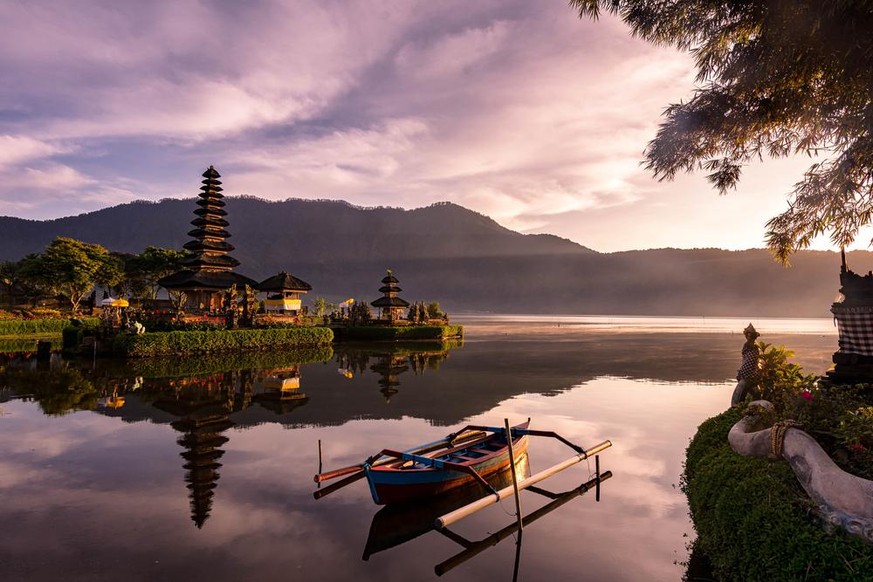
(466, 458)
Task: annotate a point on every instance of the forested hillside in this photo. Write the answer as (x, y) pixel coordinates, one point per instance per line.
(461, 258)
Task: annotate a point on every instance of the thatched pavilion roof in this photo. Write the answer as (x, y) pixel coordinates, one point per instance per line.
(283, 282)
(390, 302)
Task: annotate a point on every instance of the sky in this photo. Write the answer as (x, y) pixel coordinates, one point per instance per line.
(515, 109)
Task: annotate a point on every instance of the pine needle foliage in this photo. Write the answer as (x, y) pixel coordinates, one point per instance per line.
(775, 78)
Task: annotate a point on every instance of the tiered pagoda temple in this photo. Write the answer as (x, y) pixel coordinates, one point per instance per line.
(392, 307)
(209, 269)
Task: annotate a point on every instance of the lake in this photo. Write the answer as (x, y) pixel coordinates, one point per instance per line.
(201, 468)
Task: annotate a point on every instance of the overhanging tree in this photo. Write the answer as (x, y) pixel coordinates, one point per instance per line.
(775, 78)
(71, 268)
(143, 271)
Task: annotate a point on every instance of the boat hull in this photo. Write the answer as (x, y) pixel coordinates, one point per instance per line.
(392, 485)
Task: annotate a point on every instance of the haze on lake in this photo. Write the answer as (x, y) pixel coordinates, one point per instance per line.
(141, 492)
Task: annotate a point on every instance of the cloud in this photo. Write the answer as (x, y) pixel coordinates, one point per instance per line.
(453, 54)
(29, 188)
(20, 149)
(515, 109)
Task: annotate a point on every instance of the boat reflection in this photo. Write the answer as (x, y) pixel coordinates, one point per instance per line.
(399, 523)
(394, 525)
(473, 549)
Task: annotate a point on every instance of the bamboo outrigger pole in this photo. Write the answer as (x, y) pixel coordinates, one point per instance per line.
(472, 549)
(471, 508)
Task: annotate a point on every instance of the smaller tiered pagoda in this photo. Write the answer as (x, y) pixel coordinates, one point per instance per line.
(209, 269)
(392, 307)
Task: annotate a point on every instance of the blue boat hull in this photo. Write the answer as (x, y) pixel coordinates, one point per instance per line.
(392, 484)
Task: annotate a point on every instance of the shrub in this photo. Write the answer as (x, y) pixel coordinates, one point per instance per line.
(46, 313)
(840, 418)
(780, 381)
(200, 342)
(38, 326)
(167, 324)
(753, 520)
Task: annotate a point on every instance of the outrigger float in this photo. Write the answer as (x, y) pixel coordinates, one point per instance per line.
(471, 455)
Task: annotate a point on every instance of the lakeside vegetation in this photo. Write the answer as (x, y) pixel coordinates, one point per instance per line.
(28, 327)
(753, 519)
(70, 272)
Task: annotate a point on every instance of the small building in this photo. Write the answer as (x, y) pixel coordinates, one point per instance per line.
(390, 305)
(283, 293)
(853, 313)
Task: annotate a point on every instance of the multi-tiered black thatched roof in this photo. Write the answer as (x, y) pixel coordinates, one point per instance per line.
(209, 267)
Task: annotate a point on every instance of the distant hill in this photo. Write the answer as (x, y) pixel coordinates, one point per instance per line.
(461, 258)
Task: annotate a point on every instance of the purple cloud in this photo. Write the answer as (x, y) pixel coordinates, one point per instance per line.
(515, 109)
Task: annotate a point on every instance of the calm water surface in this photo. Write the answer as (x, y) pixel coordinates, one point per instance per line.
(190, 469)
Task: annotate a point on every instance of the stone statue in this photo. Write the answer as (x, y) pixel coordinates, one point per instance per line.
(747, 375)
(230, 307)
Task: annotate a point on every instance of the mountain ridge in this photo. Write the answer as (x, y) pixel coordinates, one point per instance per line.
(462, 258)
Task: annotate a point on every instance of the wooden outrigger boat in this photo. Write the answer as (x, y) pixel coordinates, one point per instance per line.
(470, 455)
(396, 524)
(413, 476)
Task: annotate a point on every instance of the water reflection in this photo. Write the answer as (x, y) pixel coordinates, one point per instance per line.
(201, 397)
(473, 549)
(205, 385)
(75, 456)
(395, 525)
(390, 362)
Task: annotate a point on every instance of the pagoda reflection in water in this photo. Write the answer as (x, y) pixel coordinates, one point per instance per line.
(389, 363)
(204, 406)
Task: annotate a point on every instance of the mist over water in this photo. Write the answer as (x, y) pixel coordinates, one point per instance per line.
(97, 491)
(651, 324)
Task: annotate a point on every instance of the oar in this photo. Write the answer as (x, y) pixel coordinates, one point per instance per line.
(321, 477)
(319, 493)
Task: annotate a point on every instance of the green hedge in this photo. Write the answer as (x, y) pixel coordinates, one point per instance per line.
(202, 342)
(412, 332)
(754, 521)
(36, 326)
